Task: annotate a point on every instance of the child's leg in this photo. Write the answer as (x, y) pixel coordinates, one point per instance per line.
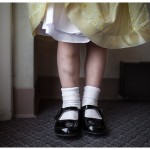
(95, 64)
(68, 61)
(94, 70)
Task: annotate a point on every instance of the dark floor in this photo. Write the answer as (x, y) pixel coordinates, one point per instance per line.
(128, 123)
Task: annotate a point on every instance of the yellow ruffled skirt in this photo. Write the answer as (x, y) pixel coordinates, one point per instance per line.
(109, 25)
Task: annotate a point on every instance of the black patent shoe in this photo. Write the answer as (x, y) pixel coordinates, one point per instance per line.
(66, 128)
(93, 125)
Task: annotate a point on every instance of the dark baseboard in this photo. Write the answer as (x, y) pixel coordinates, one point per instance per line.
(24, 103)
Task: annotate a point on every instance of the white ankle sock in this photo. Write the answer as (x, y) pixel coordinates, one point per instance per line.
(90, 97)
(70, 97)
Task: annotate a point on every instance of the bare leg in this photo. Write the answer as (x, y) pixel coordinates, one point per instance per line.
(94, 64)
(68, 61)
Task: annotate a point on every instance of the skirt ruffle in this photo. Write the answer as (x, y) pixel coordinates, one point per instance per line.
(57, 25)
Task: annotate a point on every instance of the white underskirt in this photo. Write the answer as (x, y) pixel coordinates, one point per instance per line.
(57, 25)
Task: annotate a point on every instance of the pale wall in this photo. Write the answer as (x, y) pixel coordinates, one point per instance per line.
(23, 48)
(136, 54)
(5, 61)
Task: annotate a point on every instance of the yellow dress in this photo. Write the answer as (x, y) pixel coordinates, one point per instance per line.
(109, 25)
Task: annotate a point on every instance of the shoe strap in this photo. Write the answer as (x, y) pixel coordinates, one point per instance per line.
(70, 108)
(83, 108)
(62, 110)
